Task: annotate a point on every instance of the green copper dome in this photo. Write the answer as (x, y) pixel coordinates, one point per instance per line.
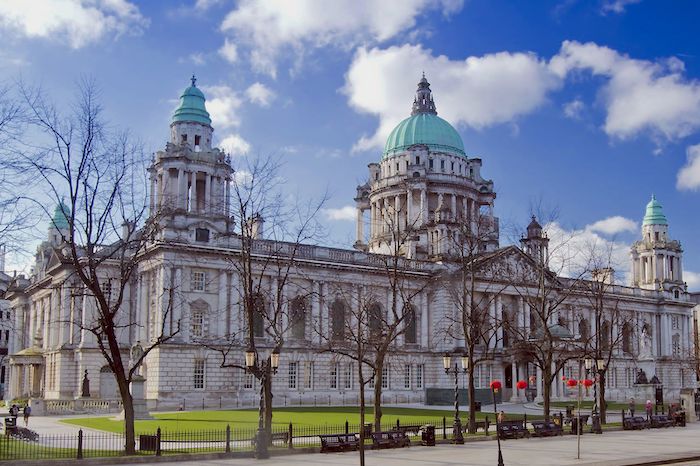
(192, 107)
(654, 214)
(424, 127)
(60, 216)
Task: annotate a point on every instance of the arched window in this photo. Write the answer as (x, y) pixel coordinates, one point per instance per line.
(259, 312)
(627, 345)
(676, 345)
(198, 311)
(297, 318)
(411, 329)
(374, 319)
(605, 330)
(338, 320)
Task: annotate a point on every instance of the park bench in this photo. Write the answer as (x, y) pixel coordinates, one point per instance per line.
(578, 421)
(390, 439)
(409, 429)
(339, 442)
(483, 425)
(660, 420)
(514, 428)
(634, 423)
(280, 436)
(546, 429)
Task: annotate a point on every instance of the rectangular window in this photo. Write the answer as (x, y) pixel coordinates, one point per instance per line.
(197, 140)
(442, 165)
(385, 376)
(407, 377)
(334, 376)
(199, 281)
(293, 372)
(248, 380)
(309, 375)
(347, 379)
(197, 323)
(419, 376)
(199, 374)
(430, 163)
(201, 235)
(675, 323)
(417, 160)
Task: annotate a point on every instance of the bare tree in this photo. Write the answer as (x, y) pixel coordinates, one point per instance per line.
(97, 177)
(271, 233)
(473, 294)
(372, 345)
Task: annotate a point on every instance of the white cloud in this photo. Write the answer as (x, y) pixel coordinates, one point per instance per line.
(639, 95)
(204, 5)
(242, 177)
(613, 225)
(197, 58)
(689, 175)
(223, 104)
(617, 6)
(346, 213)
(692, 279)
(260, 94)
(272, 26)
(574, 108)
(229, 51)
(76, 22)
(234, 144)
(478, 91)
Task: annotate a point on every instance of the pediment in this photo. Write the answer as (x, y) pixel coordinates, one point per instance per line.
(512, 265)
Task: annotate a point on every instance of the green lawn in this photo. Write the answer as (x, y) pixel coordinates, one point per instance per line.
(198, 421)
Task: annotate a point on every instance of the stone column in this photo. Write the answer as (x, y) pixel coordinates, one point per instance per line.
(179, 200)
(152, 197)
(539, 397)
(424, 329)
(194, 199)
(499, 322)
(207, 193)
(453, 206)
(409, 208)
(423, 208)
(360, 226)
(514, 377)
(65, 321)
(397, 213)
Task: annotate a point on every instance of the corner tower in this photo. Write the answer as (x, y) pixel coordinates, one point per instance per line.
(190, 179)
(656, 259)
(425, 197)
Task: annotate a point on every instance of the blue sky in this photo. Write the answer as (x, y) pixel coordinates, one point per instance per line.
(586, 106)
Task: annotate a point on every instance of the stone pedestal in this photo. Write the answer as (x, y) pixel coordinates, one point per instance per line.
(644, 392)
(648, 366)
(38, 406)
(688, 404)
(137, 390)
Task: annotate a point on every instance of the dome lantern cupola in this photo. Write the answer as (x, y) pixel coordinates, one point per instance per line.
(423, 102)
(191, 123)
(654, 214)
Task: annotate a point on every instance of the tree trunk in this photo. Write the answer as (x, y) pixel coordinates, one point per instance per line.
(601, 396)
(378, 398)
(362, 412)
(128, 405)
(546, 391)
(472, 401)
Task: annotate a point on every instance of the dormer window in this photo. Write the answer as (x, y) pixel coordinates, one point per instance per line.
(417, 160)
(197, 140)
(430, 164)
(183, 138)
(656, 235)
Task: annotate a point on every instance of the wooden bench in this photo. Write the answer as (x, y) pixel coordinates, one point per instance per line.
(634, 423)
(339, 442)
(483, 425)
(390, 439)
(412, 429)
(512, 429)
(546, 429)
(660, 420)
(280, 436)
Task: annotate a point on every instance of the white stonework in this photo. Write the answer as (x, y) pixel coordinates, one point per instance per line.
(193, 256)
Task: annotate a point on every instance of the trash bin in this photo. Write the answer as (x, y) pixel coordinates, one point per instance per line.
(428, 435)
(576, 422)
(477, 406)
(596, 428)
(10, 425)
(148, 442)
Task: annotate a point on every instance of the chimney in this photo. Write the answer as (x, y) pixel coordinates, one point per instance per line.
(605, 275)
(255, 226)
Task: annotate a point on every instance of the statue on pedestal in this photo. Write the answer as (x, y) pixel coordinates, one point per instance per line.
(85, 392)
(645, 344)
(135, 356)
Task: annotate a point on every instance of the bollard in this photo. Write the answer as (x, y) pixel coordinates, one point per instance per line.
(228, 438)
(347, 427)
(202, 403)
(397, 423)
(80, 444)
(444, 428)
(290, 437)
(219, 402)
(486, 426)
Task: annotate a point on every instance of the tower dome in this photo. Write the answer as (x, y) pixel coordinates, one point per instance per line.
(192, 107)
(60, 216)
(654, 214)
(424, 127)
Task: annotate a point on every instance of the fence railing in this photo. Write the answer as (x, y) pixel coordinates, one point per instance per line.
(163, 442)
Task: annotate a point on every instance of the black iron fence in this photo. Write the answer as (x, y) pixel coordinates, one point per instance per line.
(164, 442)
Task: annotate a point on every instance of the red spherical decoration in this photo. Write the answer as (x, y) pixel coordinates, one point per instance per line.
(521, 385)
(587, 382)
(564, 378)
(571, 382)
(495, 385)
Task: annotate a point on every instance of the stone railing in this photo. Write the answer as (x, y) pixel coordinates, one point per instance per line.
(82, 406)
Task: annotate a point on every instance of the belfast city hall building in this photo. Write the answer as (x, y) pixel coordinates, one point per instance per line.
(422, 199)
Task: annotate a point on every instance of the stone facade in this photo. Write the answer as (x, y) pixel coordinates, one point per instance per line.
(187, 281)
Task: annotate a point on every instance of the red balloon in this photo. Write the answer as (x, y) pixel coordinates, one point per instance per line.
(521, 385)
(587, 382)
(571, 382)
(495, 385)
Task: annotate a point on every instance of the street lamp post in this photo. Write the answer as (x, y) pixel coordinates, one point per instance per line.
(266, 369)
(596, 366)
(457, 436)
(495, 387)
